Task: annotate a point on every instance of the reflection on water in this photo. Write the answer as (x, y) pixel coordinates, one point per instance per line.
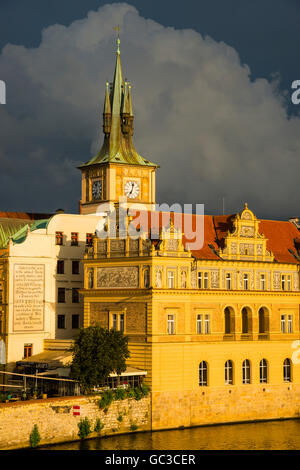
(274, 435)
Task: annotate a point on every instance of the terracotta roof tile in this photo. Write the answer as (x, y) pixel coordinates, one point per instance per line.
(283, 237)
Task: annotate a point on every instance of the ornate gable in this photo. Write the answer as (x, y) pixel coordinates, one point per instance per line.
(171, 242)
(245, 242)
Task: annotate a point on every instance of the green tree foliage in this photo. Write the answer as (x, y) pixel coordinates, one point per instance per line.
(84, 428)
(98, 352)
(35, 437)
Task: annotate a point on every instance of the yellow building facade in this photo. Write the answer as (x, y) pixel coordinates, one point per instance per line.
(216, 328)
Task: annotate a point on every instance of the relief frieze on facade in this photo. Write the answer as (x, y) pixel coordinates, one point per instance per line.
(133, 247)
(246, 249)
(117, 247)
(296, 281)
(194, 278)
(247, 231)
(172, 244)
(117, 277)
(215, 279)
(276, 281)
(233, 248)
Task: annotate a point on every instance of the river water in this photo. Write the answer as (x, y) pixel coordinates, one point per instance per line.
(272, 435)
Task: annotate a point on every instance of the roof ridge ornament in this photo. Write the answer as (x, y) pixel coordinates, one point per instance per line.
(117, 28)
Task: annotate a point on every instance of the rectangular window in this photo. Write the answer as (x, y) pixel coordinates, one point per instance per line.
(282, 322)
(75, 296)
(199, 280)
(75, 267)
(205, 281)
(89, 239)
(121, 318)
(171, 325)
(206, 325)
(282, 282)
(75, 322)
(290, 324)
(117, 322)
(199, 324)
(61, 295)
(288, 282)
(27, 350)
(262, 282)
(171, 283)
(61, 323)
(60, 266)
(246, 282)
(228, 280)
(114, 321)
(74, 239)
(59, 238)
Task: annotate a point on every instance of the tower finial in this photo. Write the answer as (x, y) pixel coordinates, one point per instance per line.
(117, 28)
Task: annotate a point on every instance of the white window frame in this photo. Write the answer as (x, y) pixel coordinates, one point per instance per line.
(171, 279)
(207, 324)
(262, 281)
(205, 280)
(283, 323)
(287, 377)
(228, 372)
(246, 371)
(228, 281)
(245, 281)
(202, 371)
(199, 280)
(263, 371)
(171, 324)
(290, 323)
(199, 324)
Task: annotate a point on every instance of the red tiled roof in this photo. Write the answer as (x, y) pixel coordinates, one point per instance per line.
(281, 236)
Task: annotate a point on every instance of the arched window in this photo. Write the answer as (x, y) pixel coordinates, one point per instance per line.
(228, 372)
(203, 374)
(287, 373)
(245, 325)
(263, 323)
(246, 371)
(263, 371)
(229, 321)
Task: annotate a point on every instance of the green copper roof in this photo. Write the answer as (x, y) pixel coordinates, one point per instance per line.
(118, 119)
(17, 229)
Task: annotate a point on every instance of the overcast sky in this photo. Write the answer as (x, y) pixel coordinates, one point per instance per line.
(211, 94)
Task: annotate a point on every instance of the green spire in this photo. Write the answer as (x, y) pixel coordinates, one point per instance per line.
(117, 146)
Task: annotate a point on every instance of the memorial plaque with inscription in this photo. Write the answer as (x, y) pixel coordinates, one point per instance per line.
(29, 293)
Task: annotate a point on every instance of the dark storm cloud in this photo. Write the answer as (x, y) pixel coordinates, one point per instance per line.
(214, 131)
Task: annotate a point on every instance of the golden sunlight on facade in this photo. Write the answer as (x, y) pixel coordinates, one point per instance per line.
(214, 327)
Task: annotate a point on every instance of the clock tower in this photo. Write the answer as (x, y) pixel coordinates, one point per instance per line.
(117, 170)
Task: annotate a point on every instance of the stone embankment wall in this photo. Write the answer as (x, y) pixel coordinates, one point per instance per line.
(57, 423)
(228, 404)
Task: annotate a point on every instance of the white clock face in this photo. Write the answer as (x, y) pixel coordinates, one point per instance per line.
(132, 189)
(97, 189)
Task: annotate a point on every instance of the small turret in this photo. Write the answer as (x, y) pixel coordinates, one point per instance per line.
(107, 112)
(131, 117)
(125, 111)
